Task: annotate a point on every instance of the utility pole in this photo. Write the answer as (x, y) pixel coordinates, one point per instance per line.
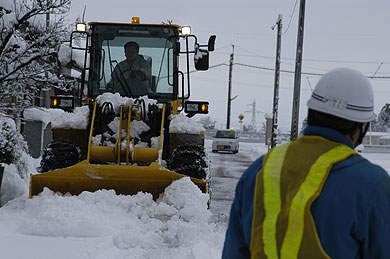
(298, 69)
(230, 89)
(276, 84)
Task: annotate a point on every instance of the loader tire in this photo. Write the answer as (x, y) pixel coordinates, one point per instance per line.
(59, 154)
(189, 160)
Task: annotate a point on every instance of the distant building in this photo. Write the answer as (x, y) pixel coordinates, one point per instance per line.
(377, 139)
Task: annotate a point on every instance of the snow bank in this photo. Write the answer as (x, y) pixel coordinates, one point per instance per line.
(182, 124)
(178, 219)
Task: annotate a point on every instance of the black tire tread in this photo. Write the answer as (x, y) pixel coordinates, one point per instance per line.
(59, 154)
(189, 160)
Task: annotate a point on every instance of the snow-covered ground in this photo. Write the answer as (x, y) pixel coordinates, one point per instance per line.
(105, 225)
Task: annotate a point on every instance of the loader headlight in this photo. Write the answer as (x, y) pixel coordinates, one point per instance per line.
(81, 27)
(186, 30)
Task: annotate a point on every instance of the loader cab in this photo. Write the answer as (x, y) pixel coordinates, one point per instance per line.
(106, 69)
(158, 59)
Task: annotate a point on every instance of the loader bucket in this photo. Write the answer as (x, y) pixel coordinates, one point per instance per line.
(124, 179)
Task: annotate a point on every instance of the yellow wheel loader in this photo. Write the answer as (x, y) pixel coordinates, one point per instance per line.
(103, 156)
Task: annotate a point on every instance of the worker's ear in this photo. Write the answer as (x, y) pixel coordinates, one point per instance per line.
(354, 136)
(362, 132)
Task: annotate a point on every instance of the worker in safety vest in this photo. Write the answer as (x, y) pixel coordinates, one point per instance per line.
(316, 197)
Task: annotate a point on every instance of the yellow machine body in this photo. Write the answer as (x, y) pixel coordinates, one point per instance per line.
(113, 167)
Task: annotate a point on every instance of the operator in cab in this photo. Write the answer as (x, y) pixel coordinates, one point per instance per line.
(131, 76)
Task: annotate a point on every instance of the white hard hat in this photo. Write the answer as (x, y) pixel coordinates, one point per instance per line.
(344, 93)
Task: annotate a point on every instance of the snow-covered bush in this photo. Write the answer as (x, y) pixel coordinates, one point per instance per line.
(382, 122)
(11, 143)
(18, 164)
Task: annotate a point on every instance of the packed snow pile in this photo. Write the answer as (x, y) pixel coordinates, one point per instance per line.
(182, 124)
(109, 137)
(117, 100)
(177, 220)
(136, 127)
(78, 119)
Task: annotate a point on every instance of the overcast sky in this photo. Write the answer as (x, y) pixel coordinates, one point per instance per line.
(338, 33)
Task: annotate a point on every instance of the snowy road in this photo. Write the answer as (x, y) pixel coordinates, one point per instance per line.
(226, 170)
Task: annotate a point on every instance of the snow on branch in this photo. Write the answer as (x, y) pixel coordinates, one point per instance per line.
(29, 48)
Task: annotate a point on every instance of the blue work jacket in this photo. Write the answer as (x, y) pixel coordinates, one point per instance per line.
(352, 213)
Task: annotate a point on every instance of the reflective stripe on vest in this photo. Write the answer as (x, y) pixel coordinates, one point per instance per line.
(282, 225)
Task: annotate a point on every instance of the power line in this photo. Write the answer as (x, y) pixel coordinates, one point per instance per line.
(304, 73)
(284, 70)
(308, 59)
(223, 47)
(254, 53)
(291, 16)
(345, 61)
(214, 66)
(377, 69)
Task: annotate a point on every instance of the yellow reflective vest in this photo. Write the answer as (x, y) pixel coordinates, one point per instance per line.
(292, 177)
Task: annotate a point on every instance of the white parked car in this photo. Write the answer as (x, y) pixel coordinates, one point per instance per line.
(226, 140)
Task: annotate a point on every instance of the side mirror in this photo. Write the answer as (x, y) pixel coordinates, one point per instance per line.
(201, 59)
(211, 43)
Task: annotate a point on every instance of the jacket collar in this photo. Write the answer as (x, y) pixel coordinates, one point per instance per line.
(327, 133)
